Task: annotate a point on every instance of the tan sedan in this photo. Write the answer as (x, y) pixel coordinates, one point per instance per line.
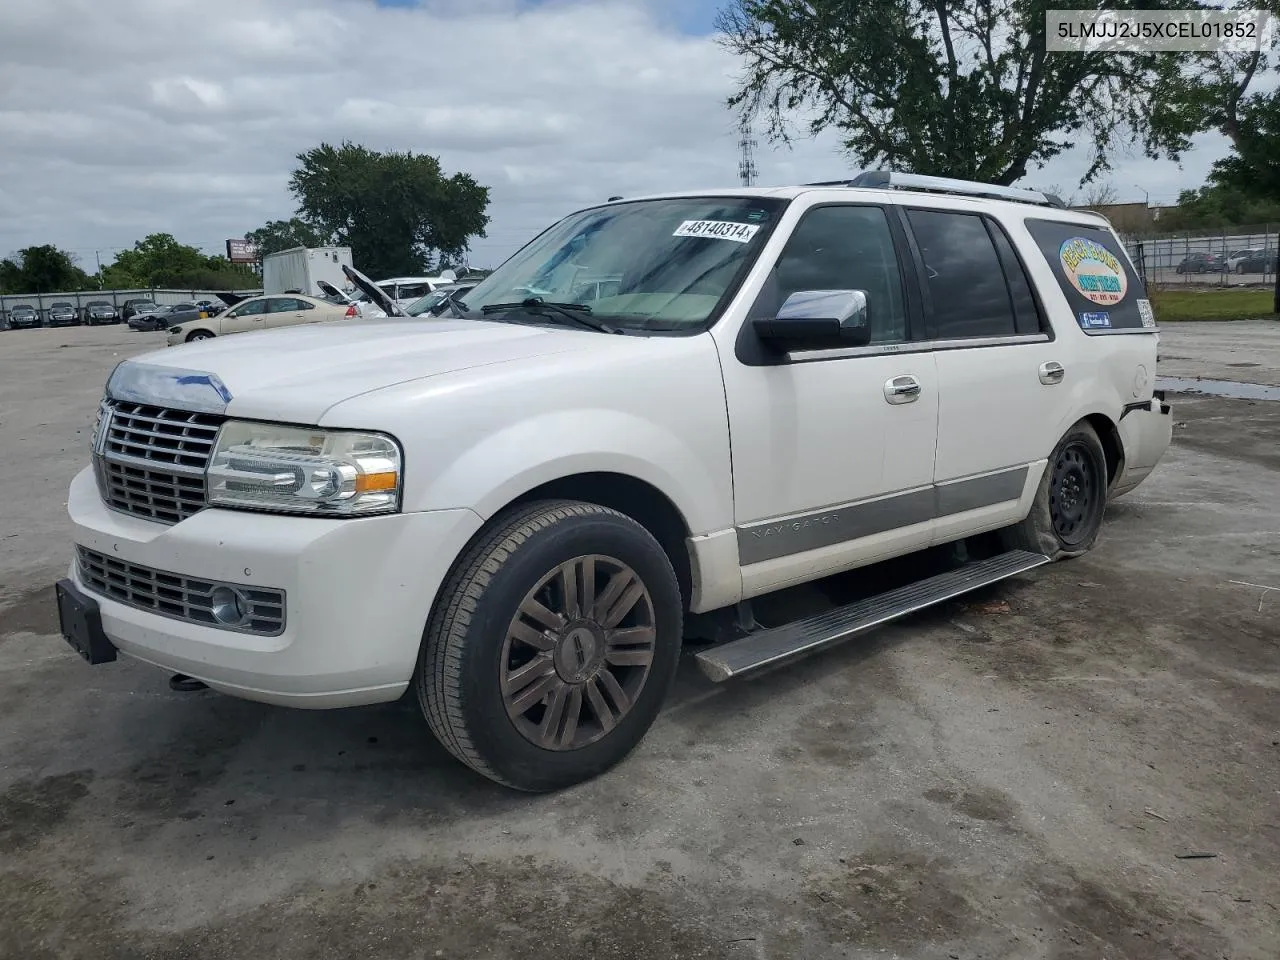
(260, 313)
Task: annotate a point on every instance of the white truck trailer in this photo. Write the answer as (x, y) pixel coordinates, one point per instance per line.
(301, 268)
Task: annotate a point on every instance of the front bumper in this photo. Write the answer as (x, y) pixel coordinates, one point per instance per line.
(1146, 430)
(358, 595)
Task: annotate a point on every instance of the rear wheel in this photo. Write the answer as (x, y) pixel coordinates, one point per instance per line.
(552, 645)
(1066, 515)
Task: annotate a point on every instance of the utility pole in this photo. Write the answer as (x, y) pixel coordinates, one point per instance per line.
(1275, 305)
(747, 171)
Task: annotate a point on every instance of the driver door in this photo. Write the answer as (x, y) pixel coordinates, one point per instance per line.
(833, 448)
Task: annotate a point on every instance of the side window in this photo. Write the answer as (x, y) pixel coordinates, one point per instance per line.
(966, 281)
(413, 291)
(250, 309)
(1095, 274)
(284, 305)
(1026, 313)
(848, 248)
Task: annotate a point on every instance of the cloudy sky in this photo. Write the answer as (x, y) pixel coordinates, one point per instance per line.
(120, 118)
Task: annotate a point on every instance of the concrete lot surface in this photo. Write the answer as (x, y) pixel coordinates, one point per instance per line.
(1245, 350)
(1081, 763)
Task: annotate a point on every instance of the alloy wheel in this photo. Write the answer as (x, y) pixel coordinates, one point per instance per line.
(578, 653)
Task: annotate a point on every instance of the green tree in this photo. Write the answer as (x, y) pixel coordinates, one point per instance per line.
(277, 235)
(159, 260)
(962, 88)
(11, 275)
(42, 269)
(1215, 206)
(397, 211)
(1243, 102)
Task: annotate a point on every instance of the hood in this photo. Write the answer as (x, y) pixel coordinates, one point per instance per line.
(295, 374)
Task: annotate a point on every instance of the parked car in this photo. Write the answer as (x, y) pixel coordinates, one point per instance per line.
(360, 306)
(522, 515)
(260, 313)
(1256, 261)
(61, 314)
(98, 312)
(437, 303)
(134, 305)
(402, 291)
(1232, 260)
(23, 315)
(149, 317)
(1201, 263)
(178, 313)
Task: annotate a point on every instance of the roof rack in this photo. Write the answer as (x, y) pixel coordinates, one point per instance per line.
(888, 180)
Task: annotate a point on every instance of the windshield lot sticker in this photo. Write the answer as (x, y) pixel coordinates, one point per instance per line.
(720, 229)
(1093, 270)
(1095, 321)
(1146, 313)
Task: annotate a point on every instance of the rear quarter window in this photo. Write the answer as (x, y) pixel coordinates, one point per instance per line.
(1095, 274)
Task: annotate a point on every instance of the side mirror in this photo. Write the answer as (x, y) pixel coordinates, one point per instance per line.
(814, 319)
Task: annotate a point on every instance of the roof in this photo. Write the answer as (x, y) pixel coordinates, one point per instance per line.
(934, 193)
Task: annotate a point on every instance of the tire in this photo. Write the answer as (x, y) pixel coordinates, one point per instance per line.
(199, 335)
(1061, 527)
(478, 644)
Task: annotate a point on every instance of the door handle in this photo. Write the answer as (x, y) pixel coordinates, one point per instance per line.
(1051, 373)
(902, 390)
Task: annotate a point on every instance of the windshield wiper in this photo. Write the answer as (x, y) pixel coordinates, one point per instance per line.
(579, 313)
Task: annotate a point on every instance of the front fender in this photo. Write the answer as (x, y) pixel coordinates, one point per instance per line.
(497, 468)
(648, 408)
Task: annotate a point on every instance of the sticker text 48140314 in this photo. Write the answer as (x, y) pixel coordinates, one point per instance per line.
(719, 229)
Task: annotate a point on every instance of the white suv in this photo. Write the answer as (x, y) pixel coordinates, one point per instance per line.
(519, 509)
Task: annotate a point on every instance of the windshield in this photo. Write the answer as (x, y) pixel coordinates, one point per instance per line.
(649, 264)
(24, 308)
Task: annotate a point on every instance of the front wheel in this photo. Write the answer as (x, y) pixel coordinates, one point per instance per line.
(1066, 516)
(552, 645)
(199, 335)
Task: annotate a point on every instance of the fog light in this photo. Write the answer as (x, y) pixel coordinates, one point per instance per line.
(230, 606)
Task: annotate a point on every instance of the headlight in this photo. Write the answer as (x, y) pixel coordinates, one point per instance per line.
(309, 470)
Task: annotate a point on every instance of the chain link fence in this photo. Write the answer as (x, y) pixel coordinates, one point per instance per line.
(1233, 257)
(41, 302)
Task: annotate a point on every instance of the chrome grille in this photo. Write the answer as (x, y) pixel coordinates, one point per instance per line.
(151, 460)
(177, 596)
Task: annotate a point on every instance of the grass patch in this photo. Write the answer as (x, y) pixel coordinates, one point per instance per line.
(1176, 305)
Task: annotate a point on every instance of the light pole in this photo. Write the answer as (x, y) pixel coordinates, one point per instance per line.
(1145, 195)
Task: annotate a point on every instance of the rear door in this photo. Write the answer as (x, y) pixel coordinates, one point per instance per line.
(1000, 396)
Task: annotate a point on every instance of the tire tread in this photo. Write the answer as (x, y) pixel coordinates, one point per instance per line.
(439, 677)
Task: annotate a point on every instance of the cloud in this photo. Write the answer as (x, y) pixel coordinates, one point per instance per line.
(134, 116)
